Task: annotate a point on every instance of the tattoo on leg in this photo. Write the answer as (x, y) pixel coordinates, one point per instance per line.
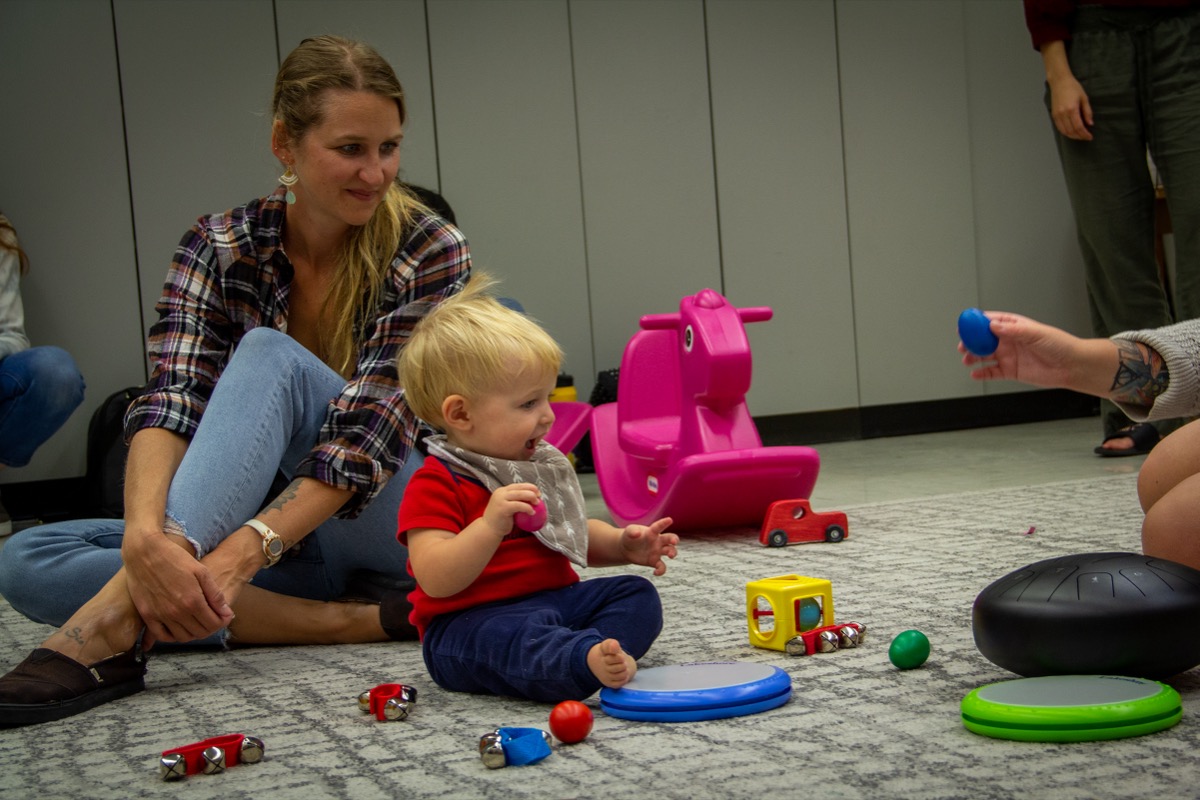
(75, 635)
(1141, 374)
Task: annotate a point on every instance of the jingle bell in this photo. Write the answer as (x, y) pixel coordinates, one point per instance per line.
(489, 739)
(395, 709)
(172, 767)
(252, 750)
(493, 756)
(214, 760)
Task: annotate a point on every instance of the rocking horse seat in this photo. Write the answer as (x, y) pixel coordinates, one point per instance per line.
(652, 438)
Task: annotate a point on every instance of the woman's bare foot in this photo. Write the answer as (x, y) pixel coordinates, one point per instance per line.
(611, 665)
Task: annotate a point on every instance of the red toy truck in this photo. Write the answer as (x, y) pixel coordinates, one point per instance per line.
(793, 521)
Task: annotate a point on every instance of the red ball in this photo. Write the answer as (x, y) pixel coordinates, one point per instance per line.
(571, 721)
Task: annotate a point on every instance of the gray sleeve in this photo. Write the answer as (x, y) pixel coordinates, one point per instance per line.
(12, 313)
(1179, 345)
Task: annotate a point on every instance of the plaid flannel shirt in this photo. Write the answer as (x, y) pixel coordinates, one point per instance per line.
(230, 275)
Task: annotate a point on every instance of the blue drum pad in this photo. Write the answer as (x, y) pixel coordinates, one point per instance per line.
(691, 692)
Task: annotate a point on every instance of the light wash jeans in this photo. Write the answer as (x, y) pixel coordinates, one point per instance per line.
(40, 387)
(264, 417)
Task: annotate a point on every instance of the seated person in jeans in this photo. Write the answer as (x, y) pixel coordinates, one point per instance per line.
(40, 387)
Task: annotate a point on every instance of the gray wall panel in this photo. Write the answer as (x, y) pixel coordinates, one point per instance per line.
(778, 142)
(510, 157)
(196, 117)
(649, 198)
(908, 176)
(64, 187)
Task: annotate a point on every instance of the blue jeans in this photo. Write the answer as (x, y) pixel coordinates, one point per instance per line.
(536, 647)
(39, 389)
(1141, 71)
(264, 416)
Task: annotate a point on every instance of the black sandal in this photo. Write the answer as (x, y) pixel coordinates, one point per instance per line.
(1143, 434)
(47, 685)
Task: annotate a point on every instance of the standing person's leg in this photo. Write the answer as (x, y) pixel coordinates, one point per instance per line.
(1173, 113)
(1111, 193)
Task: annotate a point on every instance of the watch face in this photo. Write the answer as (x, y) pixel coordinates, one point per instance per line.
(275, 546)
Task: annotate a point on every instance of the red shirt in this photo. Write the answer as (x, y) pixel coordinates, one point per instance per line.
(436, 498)
(1050, 20)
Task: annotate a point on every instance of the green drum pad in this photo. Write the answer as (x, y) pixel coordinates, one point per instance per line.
(1071, 708)
(691, 692)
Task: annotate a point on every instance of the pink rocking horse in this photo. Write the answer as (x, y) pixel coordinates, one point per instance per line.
(680, 441)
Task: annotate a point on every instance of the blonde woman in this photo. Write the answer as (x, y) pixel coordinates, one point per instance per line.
(274, 355)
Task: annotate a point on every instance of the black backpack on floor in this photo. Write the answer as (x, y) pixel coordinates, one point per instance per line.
(106, 451)
(604, 391)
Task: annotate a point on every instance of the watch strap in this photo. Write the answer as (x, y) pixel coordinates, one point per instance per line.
(272, 543)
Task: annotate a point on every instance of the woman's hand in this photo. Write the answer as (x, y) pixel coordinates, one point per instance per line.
(175, 595)
(1070, 108)
(1043, 355)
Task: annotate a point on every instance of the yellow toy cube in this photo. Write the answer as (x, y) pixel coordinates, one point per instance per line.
(781, 608)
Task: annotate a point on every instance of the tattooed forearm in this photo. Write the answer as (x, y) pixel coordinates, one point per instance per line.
(1141, 374)
(286, 495)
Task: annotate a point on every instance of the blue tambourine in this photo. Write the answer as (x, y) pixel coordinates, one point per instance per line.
(692, 692)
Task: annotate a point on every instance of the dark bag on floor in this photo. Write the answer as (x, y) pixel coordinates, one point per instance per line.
(106, 451)
(604, 391)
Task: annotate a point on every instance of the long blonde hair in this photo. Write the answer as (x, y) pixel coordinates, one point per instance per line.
(332, 62)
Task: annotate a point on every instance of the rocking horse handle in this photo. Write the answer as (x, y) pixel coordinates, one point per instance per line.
(756, 314)
(658, 322)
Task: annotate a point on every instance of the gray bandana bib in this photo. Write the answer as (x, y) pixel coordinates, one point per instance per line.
(565, 530)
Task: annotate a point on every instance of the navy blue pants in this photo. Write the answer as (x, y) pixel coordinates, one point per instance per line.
(536, 647)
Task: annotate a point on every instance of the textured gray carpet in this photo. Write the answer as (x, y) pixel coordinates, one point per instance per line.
(856, 727)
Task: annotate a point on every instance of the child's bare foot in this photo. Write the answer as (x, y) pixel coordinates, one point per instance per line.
(611, 665)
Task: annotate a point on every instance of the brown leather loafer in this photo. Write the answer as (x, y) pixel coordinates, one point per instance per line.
(47, 685)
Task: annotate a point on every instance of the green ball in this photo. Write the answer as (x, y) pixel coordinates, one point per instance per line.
(909, 649)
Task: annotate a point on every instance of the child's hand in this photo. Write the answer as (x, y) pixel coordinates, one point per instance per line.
(508, 501)
(648, 545)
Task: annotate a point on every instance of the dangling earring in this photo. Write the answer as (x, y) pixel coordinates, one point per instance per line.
(288, 179)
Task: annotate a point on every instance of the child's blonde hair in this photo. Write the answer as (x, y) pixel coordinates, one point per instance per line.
(471, 344)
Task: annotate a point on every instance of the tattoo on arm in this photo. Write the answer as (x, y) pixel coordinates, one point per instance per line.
(287, 494)
(1141, 374)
